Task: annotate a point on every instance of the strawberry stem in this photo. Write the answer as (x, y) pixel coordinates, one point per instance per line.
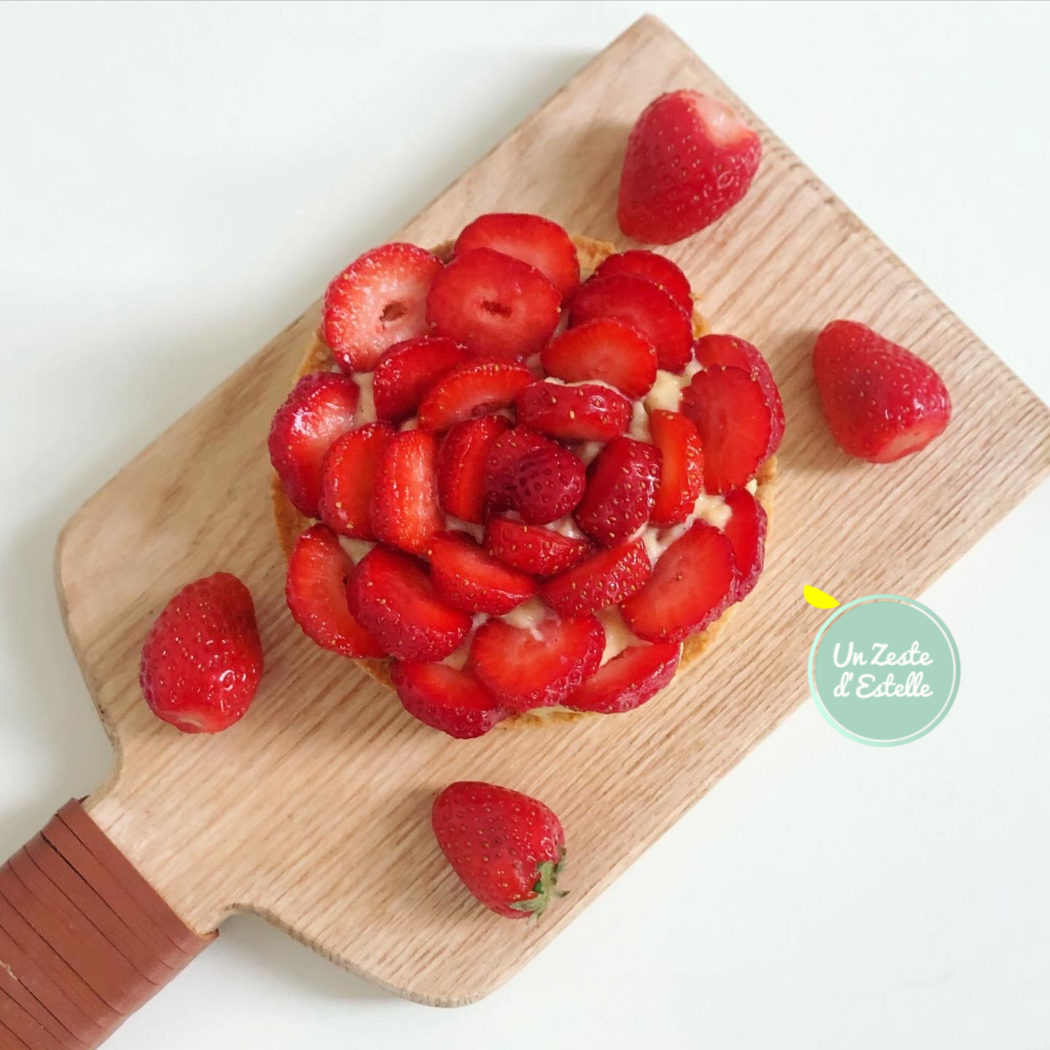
(546, 887)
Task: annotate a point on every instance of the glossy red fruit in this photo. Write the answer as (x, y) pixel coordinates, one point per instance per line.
(542, 244)
(393, 598)
(716, 349)
(319, 409)
(538, 666)
(496, 306)
(881, 401)
(405, 510)
(468, 577)
(735, 421)
(621, 486)
(472, 390)
(583, 412)
(202, 658)
(461, 461)
(644, 306)
(604, 579)
(446, 698)
(548, 484)
(651, 267)
(607, 350)
(629, 679)
(507, 848)
(691, 586)
(408, 370)
(532, 548)
(348, 478)
(315, 589)
(504, 459)
(689, 159)
(681, 466)
(378, 300)
(746, 530)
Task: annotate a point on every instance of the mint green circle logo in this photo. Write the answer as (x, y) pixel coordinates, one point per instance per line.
(884, 670)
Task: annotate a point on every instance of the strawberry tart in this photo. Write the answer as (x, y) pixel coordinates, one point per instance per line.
(516, 480)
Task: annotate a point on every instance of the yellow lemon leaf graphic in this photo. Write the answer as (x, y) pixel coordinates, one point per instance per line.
(819, 599)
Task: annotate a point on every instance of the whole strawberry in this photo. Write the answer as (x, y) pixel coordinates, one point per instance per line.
(507, 848)
(689, 159)
(202, 659)
(881, 401)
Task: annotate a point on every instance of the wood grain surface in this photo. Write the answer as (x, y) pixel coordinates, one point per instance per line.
(314, 811)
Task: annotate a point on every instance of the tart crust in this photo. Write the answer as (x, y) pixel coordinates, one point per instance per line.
(290, 523)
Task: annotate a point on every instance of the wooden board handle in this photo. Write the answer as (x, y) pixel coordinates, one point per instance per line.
(84, 939)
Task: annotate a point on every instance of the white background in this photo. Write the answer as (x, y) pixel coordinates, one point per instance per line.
(178, 182)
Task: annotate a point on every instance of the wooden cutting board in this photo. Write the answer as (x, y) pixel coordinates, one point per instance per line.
(314, 811)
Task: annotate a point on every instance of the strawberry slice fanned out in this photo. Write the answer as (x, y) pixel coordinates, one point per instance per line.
(405, 511)
(607, 350)
(539, 242)
(319, 409)
(691, 586)
(681, 466)
(472, 390)
(471, 579)
(604, 579)
(348, 480)
(392, 596)
(378, 300)
(315, 590)
(461, 463)
(532, 548)
(621, 486)
(446, 698)
(408, 370)
(644, 306)
(735, 421)
(497, 306)
(583, 412)
(650, 267)
(629, 679)
(536, 666)
(746, 530)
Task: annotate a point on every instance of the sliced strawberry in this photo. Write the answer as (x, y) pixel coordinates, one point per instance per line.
(621, 486)
(445, 698)
(735, 422)
(471, 579)
(405, 510)
(408, 370)
(584, 412)
(497, 306)
(605, 579)
(348, 480)
(501, 468)
(714, 349)
(392, 596)
(746, 530)
(651, 267)
(319, 409)
(548, 484)
(642, 305)
(315, 590)
(542, 244)
(606, 349)
(628, 680)
(378, 300)
(691, 586)
(681, 466)
(461, 463)
(527, 667)
(472, 390)
(532, 548)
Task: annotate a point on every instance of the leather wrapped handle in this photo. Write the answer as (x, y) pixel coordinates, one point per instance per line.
(84, 939)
